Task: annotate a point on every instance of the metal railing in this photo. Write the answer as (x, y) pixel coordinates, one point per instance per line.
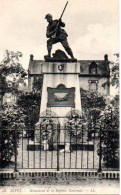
(58, 147)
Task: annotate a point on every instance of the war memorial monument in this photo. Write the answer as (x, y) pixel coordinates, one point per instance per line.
(60, 107)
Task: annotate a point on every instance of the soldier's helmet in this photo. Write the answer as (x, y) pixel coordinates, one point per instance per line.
(48, 15)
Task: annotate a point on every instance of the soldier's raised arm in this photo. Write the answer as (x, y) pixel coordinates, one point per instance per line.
(49, 34)
(62, 23)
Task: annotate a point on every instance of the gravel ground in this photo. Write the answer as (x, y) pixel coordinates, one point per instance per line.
(88, 186)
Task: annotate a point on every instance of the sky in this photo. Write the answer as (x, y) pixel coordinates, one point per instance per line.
(92, 27)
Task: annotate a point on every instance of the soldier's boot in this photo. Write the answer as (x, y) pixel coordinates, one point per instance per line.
(70, 53)
(49, 54)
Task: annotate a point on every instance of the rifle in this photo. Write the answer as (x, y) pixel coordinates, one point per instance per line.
(57, 27)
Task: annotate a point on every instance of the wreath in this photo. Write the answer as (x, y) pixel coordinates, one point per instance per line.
(76, 126)
(46, 128)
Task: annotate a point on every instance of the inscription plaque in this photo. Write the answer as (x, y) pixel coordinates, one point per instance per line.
(61, 96)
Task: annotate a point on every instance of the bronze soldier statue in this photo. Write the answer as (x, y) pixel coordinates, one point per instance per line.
(56, 34)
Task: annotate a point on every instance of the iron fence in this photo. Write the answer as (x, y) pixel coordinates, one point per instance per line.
(57, 147)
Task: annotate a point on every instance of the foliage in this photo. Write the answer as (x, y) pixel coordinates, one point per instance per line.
(92, 105)
(30, 102)
(37, 84)
(91, 100)
(12, 122)
(94, 119)
(12, 117)
(11, 71)
(114, 73)
(115, 102)
(10, 63)
(109, 119)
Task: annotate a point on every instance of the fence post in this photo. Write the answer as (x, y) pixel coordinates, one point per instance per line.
(15, 169)
(100, 154)
(58, 134)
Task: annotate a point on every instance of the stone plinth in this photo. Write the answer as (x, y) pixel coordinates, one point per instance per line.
(60, 92)
(61, 67)
(61, 85)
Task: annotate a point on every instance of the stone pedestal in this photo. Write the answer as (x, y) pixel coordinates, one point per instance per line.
(61, 91)
(60, 98)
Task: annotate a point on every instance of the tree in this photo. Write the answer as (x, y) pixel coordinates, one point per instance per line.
(92, 105)
(91, 100)
(114, 73)
(30, 102)
(109, 122)
(37, 84)
(12, 117)
(11, 72)
(11, 127)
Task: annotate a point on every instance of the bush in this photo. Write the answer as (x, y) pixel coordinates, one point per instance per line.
(30, 102)
(110, 137)
(12, 125)
(92, 100)
(92, 105)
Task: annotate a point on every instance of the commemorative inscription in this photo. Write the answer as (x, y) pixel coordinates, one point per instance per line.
(61, 96)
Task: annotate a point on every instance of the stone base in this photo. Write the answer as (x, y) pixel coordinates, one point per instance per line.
(60, 81)
(81, 146)
(59, 56)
